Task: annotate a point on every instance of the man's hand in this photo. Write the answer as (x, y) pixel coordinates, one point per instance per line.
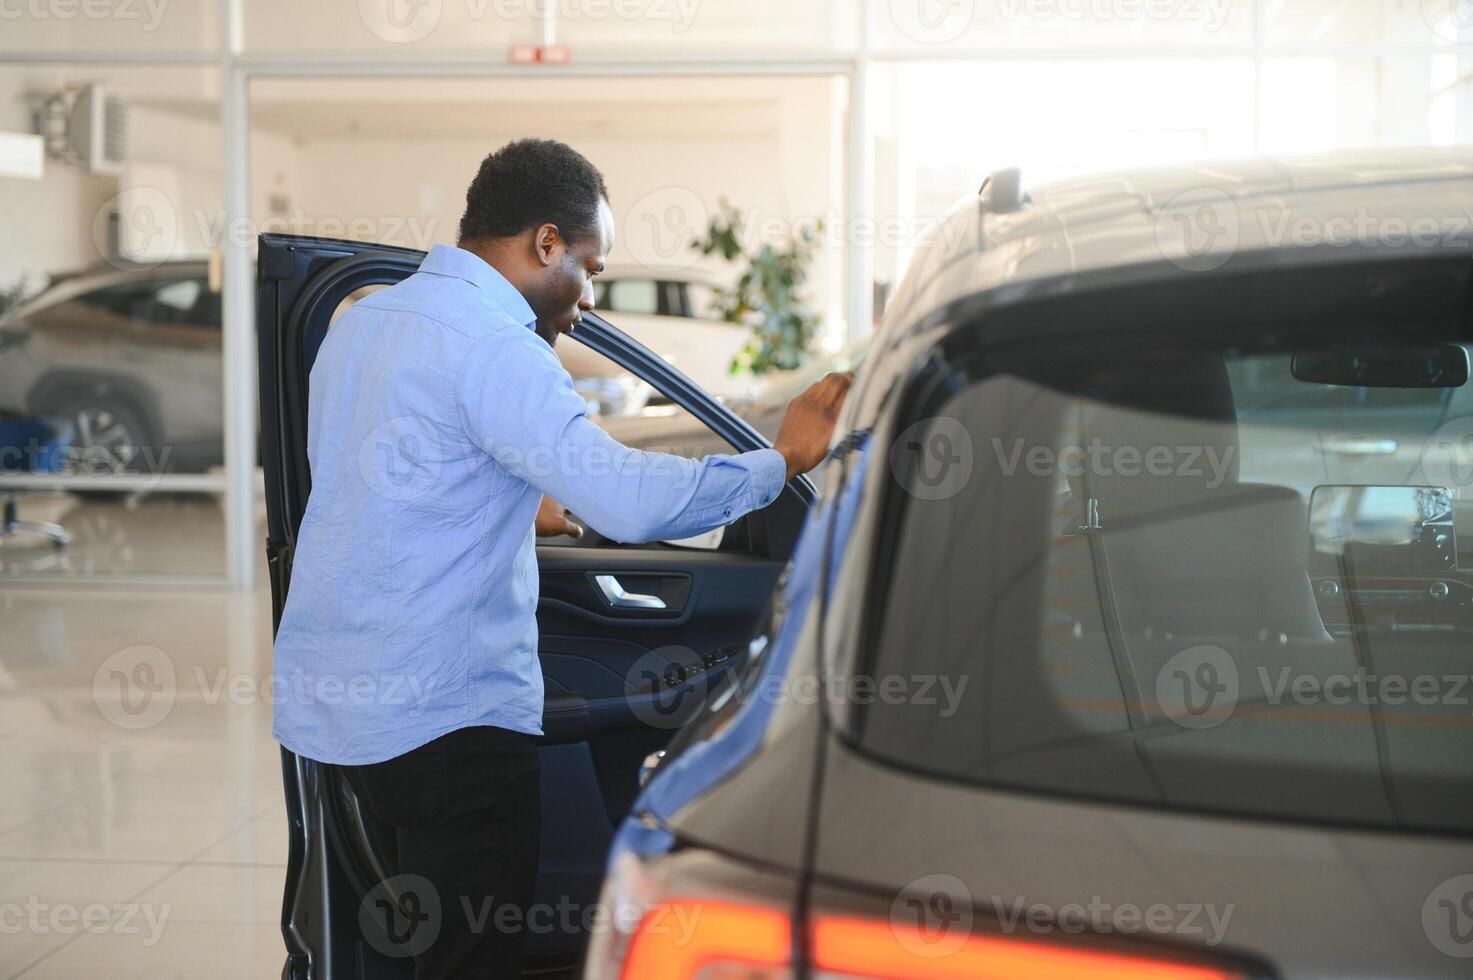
(552, 520)
(804, 436)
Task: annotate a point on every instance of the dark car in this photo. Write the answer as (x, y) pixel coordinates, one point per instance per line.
(1065, 676)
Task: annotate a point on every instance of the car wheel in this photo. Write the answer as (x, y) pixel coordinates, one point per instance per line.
(109, 436)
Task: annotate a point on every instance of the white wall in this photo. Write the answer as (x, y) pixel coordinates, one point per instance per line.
(777, 157)
(48, 222)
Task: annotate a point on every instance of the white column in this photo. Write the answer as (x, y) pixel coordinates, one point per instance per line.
(859, 248)
(239, 333)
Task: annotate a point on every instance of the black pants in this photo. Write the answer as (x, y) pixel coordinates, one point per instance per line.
(466, 810)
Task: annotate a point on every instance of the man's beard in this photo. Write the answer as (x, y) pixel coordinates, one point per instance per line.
(547, 333)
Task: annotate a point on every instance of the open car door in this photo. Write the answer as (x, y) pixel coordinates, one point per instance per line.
(630, 636)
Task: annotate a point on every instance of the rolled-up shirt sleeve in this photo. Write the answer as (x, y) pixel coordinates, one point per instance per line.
(520, 408)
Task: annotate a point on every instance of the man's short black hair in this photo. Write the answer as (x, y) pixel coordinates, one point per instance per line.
(530, 183)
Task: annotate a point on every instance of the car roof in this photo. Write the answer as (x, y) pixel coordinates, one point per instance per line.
(63, 286)
(149, 269)
(1187, 220)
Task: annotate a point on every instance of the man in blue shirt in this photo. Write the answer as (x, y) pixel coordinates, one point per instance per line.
(439, 417)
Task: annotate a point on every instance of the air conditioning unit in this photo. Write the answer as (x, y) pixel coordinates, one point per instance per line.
(88, 127)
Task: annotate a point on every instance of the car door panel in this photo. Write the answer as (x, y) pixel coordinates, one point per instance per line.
(619, 684)
(629, 637)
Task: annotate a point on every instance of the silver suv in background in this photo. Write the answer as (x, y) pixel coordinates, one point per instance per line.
(131, 356)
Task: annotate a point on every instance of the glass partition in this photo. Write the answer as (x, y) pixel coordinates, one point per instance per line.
(111, 376)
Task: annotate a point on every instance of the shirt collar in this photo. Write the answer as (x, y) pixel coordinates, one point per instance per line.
(448, 260)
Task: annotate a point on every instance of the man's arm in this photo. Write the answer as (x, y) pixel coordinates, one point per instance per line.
(520, 407)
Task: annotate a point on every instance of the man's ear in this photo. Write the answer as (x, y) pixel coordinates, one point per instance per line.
(548, 244)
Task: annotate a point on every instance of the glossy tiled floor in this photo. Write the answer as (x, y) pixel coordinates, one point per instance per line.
(142, 830)
(157, 536)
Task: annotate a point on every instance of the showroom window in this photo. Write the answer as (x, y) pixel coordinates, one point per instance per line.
(113, 337)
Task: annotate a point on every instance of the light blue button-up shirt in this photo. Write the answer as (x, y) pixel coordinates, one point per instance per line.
(437, 419)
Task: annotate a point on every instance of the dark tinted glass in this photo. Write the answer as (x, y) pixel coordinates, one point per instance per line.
(1102, 563)
(169, 301)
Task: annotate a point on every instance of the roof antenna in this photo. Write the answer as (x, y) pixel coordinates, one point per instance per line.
(1002, 191)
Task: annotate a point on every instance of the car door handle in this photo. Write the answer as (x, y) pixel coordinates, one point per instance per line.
(614, 595)
(1360, 446)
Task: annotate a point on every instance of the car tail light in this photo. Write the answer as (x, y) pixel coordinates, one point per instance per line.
(848, 947)
(691, 915)
(725, 941)
(691, 925)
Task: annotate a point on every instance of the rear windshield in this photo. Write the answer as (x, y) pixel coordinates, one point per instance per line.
(1218, 576)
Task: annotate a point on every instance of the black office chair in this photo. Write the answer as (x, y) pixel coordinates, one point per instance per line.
(31, 445)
